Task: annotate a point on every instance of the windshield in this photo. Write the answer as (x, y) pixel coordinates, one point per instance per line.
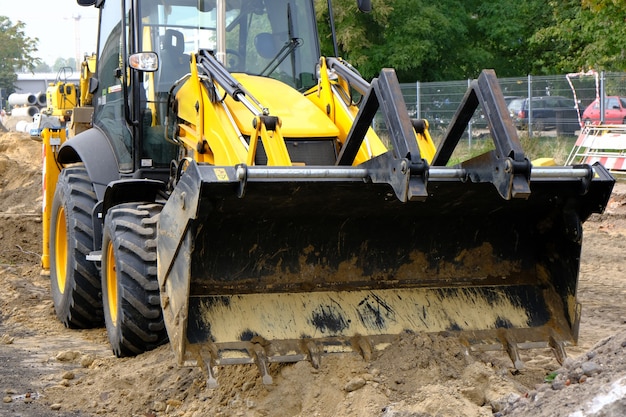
(273, 38)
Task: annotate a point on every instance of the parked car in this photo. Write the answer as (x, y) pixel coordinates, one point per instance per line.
(614, 111)
(509, 99)
(515, 106)
(548, 112)
(480, 121)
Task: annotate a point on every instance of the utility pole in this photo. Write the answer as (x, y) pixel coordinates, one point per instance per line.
(77, 52)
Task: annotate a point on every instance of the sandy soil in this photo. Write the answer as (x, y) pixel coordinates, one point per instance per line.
(47, 370)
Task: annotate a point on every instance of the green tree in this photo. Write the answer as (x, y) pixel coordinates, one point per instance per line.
(16, 51)
(418, 38)
(582, 36)
(437, 41)
(503, 30)
(61, 63)
(42, 67)
(455, 39)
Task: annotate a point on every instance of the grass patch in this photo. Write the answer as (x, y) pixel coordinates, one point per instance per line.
(557, 148)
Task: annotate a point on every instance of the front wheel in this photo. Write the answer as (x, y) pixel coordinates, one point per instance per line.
(74, 280)
(130, 290)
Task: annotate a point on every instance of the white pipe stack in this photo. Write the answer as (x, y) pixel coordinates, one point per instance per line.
(42, 100)
(28, 111)
(17, 99)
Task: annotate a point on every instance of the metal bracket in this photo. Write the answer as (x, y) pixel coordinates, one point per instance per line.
(408, 180)
(404, 161)
(509, 169)
(510, 178)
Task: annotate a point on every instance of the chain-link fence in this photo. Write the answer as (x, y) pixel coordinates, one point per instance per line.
(538, 105)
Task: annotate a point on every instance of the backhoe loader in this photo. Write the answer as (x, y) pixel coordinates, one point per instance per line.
(233, 198)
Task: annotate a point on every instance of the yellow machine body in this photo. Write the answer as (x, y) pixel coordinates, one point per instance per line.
(62, 97)
(236, 185)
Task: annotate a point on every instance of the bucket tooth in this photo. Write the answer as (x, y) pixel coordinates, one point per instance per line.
(315, 357)
(364, 347)
(209, 363)
(260, 359)
(558, 347)
(512, 349)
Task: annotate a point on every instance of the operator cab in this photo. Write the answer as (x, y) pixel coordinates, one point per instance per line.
(269, 38)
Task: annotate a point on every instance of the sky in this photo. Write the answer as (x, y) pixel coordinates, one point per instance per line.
(64, 28)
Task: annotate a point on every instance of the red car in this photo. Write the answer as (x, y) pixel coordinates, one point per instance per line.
(614, 111)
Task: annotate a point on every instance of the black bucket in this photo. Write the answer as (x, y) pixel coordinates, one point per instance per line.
(282, 262)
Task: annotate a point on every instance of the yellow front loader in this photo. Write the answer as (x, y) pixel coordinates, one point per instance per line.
(233, 199)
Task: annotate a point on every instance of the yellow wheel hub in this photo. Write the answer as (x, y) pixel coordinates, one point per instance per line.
(60, 250)
(111, 280)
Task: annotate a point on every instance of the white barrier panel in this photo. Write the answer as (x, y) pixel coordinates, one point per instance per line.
(605, 144)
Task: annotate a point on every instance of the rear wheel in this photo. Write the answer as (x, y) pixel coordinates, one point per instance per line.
(130, 291)
(74, 280)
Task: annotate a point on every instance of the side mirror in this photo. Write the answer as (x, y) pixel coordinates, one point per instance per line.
(364, 6)
(86, 2)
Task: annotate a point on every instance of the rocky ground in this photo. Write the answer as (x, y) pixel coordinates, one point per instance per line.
(47, 370)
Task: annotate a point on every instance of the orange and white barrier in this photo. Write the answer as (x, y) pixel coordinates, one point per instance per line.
(601, 143)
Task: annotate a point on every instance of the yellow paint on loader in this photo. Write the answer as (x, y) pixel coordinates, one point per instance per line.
(52, 140)
(283, 316)
(278, 226)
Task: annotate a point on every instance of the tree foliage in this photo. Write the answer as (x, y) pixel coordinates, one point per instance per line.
(504, 29)
(455, 39)
(61, 63)
(413, 36)
(582, 36)
(16, 51)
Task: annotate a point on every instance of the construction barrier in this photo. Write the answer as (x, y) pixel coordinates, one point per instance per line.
(605, 144)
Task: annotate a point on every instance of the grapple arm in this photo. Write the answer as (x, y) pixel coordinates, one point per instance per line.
(507, 167)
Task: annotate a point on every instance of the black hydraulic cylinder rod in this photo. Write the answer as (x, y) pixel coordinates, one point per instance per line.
(355, 80)
(211, 65)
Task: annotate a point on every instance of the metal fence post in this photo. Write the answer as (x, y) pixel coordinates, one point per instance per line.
(601, 98)
(530, 106)
(469, 125)
(418, 102)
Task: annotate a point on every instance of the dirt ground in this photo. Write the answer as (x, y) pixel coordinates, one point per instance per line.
(47, 370)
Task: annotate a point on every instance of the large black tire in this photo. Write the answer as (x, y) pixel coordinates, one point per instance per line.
(131, 299)
(75, 282)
